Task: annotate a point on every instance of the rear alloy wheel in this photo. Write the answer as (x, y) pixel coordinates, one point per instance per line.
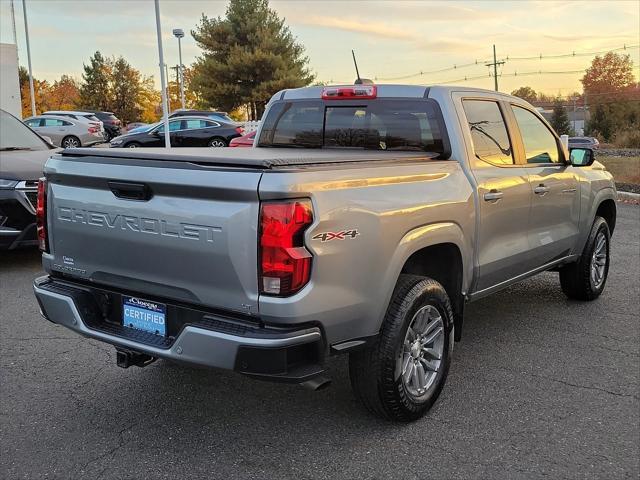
(217, 143)
(401, 375)
(71, 142)
(133, 145)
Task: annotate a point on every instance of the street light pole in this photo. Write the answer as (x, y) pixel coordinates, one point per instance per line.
(26, 33)
(165, 107)
(179, 33)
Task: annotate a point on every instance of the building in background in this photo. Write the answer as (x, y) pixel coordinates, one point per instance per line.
(9, 82)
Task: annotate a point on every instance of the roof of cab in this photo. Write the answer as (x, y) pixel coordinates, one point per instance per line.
(385, 90)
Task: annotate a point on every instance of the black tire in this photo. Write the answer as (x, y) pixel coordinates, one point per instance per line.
(132, 145)
(70, 141)
(375, 378)
(217, 142)
(576, 279)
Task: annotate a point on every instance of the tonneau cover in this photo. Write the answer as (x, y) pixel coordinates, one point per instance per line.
(260, 158)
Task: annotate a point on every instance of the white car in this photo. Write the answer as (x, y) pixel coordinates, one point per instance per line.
(77, 115)
(65, 131)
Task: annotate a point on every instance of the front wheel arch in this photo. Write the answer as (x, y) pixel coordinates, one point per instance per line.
(607, 210)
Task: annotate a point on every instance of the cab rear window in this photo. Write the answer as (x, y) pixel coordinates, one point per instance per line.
(396, 125)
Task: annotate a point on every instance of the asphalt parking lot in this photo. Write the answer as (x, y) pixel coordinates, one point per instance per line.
(540, 387)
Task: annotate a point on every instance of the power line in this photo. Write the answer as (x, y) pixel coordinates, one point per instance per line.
(430, 72)
(572, 54)
(508, 58)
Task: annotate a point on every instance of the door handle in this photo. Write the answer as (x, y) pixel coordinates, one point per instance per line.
(541, 190)
(492, 196)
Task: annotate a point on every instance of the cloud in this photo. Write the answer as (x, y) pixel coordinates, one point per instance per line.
(376, 29)
(579, 38)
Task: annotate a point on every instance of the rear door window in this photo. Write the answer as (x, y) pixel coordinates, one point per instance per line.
(488, 131)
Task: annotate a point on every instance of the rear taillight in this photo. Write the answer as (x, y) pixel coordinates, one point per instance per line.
(240, 130)
(94, 129)
(285, 264)
(41, 215)
(348, 93)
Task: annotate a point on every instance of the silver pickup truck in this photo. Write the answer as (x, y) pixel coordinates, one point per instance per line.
(362, 222)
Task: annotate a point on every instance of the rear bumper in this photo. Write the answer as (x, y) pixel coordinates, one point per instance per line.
(262, 352)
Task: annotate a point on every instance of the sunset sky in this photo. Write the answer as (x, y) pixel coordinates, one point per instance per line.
(391, 38)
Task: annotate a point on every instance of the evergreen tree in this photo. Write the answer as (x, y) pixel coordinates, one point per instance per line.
(94, 91)
(560, 119)
(126, 91)
(248, 56)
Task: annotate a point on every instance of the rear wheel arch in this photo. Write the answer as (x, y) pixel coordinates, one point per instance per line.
(443, 262)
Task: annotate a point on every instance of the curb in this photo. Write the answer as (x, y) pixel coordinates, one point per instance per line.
(629, 197)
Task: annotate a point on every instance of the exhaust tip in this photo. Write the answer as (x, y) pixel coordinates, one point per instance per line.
(317, 383)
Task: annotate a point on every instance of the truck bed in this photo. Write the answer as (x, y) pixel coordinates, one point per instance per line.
(255, 158)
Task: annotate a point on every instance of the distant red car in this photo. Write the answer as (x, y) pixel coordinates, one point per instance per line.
(243, 141)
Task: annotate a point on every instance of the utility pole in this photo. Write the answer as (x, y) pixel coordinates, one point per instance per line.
(177, 69)
(26, 32)
(574, 115)
(495, 67)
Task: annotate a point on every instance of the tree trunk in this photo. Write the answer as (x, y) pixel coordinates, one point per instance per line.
(259, 110)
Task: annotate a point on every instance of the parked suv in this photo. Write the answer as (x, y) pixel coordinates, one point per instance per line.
(112, 124)
(22, 156)
(363, 221)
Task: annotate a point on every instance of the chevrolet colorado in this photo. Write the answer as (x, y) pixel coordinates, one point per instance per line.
(363, 220)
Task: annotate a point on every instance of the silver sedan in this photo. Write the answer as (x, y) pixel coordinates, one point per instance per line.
(66, 132)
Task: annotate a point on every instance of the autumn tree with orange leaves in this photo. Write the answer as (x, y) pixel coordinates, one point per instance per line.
(613, 95)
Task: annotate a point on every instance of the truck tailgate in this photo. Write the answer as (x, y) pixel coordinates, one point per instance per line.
(191, 237)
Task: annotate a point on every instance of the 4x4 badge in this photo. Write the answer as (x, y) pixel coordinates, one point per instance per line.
(328, 236)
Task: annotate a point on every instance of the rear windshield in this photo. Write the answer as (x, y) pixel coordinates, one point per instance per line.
(381, 124)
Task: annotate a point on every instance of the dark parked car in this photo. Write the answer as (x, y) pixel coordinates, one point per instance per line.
(584, 142)
(22, 156)
(112, 124)
(184, 132)
(220, 116)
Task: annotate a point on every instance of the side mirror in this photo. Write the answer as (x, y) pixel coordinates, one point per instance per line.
(155, 133)
(581, 157)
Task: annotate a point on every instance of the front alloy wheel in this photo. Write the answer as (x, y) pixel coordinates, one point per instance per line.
(586, 278)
